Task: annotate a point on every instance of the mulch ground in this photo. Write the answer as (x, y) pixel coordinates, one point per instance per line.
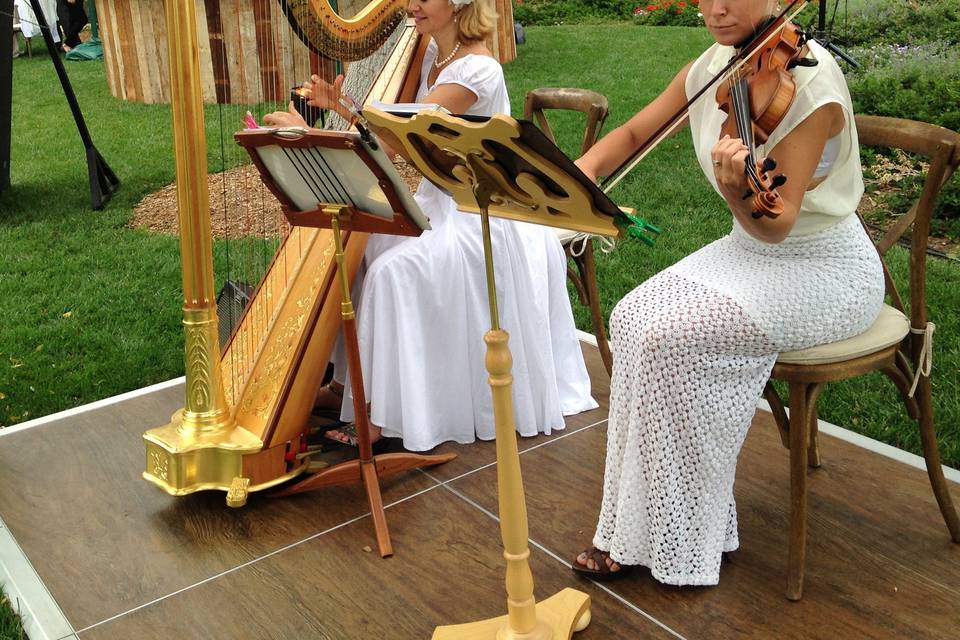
(883, 182)
(240, 206)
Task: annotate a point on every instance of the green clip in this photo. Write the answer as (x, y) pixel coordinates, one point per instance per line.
(635, 227)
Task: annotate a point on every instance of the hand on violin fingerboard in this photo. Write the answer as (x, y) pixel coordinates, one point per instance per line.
(729, 157)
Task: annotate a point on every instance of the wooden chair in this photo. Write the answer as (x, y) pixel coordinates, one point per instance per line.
(16, 30)
(898, 344)
(578, 246)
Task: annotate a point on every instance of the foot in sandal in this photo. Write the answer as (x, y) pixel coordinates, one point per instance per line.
(347, 434)
(598, 565)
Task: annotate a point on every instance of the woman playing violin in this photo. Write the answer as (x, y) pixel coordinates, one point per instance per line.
(695, 344)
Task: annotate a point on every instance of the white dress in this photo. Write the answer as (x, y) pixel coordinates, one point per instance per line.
(422, 312)
(695, 344)
(28, 21)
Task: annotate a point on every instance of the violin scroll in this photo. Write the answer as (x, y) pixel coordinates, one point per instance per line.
(766, 200)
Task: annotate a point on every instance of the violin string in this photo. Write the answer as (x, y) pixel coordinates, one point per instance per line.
(667, 129)
(740, 108)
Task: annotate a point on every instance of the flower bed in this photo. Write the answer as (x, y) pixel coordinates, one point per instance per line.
(676, 13)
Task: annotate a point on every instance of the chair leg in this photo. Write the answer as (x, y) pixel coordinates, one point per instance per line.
(799, 430)
(779, 415)
(902, 382)
(931, 455)
(588, 276)
(813, 443)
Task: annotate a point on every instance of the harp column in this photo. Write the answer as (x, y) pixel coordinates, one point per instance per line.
(206, 407)
(201, 447)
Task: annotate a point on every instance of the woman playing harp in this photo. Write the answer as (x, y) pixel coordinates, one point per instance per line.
(422, 307)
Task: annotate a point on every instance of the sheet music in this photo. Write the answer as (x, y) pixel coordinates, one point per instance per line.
(313, 176)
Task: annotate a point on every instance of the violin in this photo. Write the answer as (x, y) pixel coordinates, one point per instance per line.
(761, 89)
(755, 98)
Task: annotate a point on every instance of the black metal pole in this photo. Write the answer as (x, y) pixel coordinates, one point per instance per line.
(103, 182)
(6, 90)
(825, 38)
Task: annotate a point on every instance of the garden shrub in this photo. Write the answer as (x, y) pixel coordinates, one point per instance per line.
(552, 12)
(919, 82)
(901, 22)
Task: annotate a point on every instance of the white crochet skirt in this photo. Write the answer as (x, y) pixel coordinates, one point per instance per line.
(694, 346)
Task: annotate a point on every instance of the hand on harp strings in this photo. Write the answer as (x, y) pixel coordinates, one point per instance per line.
(309, 100)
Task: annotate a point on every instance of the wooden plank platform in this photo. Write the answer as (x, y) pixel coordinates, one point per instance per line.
(124, 560)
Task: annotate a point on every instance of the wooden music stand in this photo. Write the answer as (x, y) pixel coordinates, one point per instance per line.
(506, 168)
(337, 180)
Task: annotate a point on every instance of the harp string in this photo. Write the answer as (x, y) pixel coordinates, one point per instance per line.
(254, 242)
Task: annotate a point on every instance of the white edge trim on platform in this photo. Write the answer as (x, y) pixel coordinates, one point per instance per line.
(589, 338)
(36, 422)
(41, 615)
(875, 446)
(53, 417)
(846, 435)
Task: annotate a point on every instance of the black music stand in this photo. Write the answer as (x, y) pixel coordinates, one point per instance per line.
(103, 182)
(825, 37)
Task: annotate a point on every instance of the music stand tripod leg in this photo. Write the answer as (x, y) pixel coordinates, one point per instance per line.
(368, 467)
(561, 615)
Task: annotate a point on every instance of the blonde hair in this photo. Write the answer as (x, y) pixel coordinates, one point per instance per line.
(477, 20)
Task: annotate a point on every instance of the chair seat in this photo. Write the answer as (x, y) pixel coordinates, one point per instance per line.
(890, 328)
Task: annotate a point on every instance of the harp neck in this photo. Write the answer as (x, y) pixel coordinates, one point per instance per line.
(323, 30)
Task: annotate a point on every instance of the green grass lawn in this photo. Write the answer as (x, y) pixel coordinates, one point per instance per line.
(94, 306)
(92, 309)
(10, 627)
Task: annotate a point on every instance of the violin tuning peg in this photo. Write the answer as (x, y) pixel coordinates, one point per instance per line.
(756, 215)
(779, 180)
(769, 164)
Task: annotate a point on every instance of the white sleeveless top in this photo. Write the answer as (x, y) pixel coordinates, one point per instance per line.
(839, 194)
(482, 75)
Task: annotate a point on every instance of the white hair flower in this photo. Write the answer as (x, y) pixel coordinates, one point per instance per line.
(460, 3)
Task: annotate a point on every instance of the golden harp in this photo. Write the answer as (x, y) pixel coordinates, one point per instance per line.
(244, 424)
(246, 409)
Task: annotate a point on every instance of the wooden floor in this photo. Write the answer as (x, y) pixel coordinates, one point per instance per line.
(123, 560)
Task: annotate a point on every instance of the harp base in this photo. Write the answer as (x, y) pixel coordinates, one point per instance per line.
(234, 462)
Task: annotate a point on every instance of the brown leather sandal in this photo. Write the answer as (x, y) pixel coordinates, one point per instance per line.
(603, 573)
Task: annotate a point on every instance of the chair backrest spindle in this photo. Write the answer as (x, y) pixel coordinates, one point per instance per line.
(592, 104)
(941, 148)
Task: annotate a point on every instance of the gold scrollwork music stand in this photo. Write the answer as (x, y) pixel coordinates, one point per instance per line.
(506, 168)
(337, 180)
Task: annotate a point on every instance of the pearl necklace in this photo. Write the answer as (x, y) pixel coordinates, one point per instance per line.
(440, 63)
